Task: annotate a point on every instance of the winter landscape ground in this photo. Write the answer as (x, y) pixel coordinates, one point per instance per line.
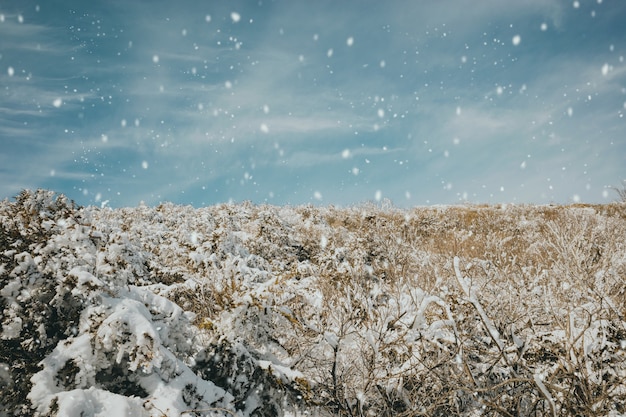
(257, 310)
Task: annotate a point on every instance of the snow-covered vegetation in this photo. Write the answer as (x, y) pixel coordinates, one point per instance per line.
(246, 310)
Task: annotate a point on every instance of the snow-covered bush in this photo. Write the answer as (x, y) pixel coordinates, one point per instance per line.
(262, 311)
(78, 337)
(39, 307)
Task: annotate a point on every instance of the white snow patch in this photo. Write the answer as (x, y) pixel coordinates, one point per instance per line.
(332, 339)
(323, 241)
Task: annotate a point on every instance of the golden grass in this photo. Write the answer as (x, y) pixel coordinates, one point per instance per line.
(552, 276)
(367, 305)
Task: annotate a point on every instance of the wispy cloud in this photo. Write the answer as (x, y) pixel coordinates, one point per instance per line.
(152, 102)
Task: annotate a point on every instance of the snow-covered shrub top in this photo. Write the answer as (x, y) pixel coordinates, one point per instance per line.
(262, 310)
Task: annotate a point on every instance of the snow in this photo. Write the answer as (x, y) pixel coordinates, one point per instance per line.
(12, 329)
(98, 403)
(332, 339)
(260, 310)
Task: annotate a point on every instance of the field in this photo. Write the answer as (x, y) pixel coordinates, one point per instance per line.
(257, 310)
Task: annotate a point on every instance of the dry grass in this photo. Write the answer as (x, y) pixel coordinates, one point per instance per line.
(546, 283)
(361, 311)
(368, 306)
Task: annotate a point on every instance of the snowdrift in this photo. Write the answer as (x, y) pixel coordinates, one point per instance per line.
(244, 310)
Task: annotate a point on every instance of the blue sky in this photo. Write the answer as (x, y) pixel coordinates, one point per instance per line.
(325, 102)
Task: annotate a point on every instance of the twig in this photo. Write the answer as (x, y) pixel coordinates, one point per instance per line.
(491, 328)
(201, 410)
(544, 391)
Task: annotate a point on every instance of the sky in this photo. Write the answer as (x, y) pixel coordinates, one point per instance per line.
(417, 102)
